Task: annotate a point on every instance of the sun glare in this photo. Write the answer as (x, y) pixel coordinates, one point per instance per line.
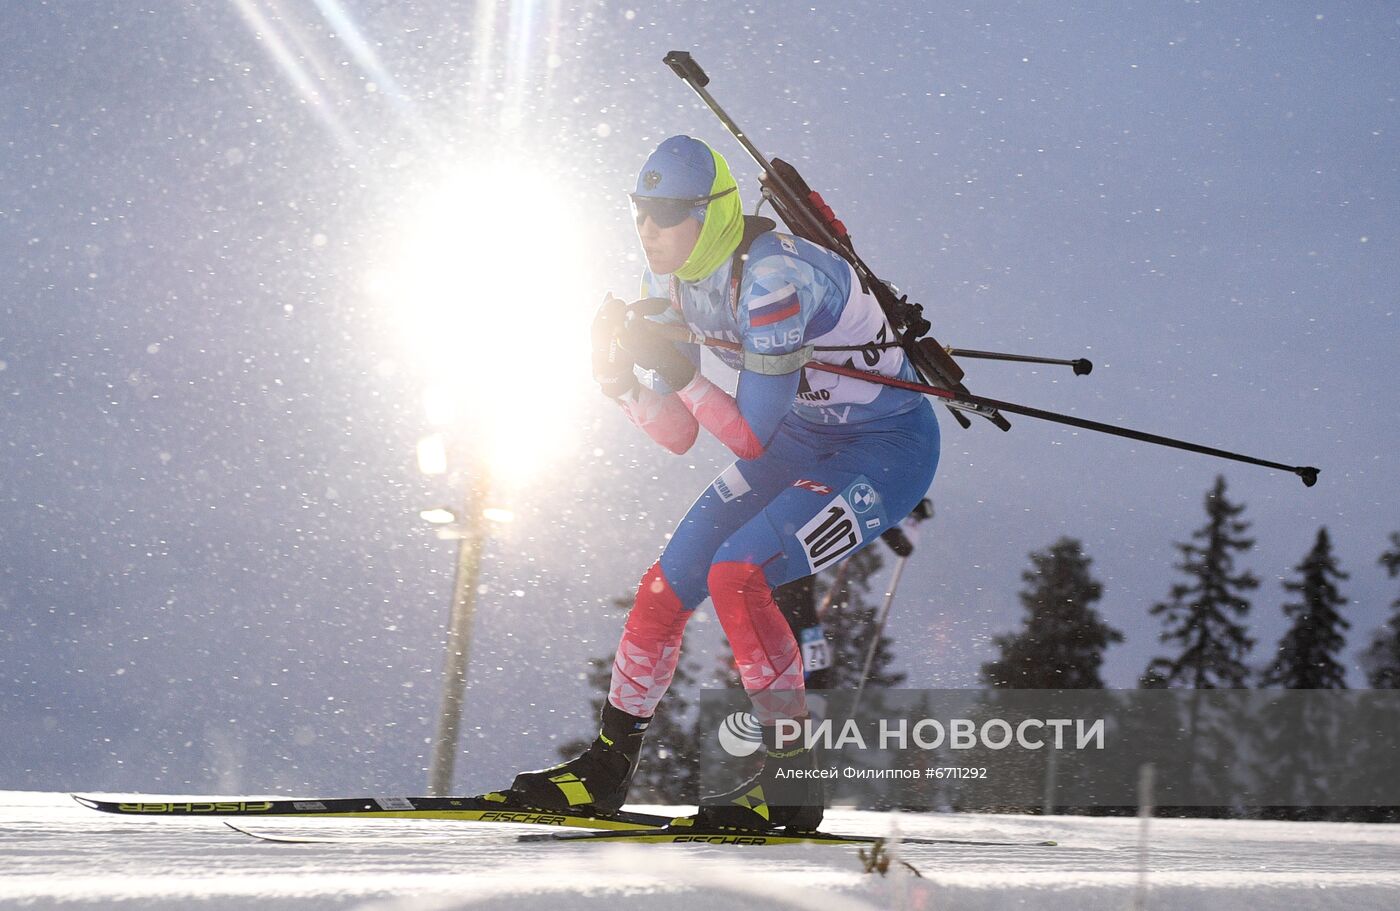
(490, 285)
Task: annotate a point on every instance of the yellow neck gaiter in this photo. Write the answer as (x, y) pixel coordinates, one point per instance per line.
(722, 230)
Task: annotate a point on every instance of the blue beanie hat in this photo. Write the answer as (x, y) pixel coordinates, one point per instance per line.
(680, 168)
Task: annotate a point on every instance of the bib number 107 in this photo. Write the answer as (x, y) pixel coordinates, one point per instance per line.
(831, 535)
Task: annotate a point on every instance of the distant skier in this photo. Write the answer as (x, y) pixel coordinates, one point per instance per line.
(826, 464)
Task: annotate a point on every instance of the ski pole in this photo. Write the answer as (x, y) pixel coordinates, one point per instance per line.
(953, 399)
(1082, 365)
(903, 545)
(879, 631)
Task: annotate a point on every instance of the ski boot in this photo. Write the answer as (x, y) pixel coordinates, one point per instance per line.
(596, 781)
(785, 794)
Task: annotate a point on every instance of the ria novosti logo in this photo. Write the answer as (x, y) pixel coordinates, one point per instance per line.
(740, 734)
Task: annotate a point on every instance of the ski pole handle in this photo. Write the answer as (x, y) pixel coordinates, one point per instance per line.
(896, 540)
(685, 67)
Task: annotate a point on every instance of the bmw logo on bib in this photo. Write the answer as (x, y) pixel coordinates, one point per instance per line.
(862, 497)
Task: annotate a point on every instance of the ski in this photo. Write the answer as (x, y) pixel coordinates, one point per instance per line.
(689, 835)
(492, 807)
(307, 839)
(325, 837)
(685, 835)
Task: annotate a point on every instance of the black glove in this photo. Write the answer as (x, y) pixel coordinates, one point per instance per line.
(612, 366)
(649, 350)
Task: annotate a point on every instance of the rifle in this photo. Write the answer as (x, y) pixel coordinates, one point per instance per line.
(808, 216)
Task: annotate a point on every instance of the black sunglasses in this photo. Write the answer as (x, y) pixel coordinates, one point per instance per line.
(667, 211)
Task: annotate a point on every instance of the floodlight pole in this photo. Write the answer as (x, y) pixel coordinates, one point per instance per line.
(459, 640)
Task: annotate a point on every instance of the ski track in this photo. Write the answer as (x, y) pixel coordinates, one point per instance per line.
(56, 854)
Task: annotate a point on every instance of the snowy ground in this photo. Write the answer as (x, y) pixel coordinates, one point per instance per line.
(54, 853)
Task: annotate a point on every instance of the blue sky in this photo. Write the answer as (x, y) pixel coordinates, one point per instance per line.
(213, 571)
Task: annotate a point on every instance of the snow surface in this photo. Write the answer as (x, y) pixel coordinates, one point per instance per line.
(54, 853)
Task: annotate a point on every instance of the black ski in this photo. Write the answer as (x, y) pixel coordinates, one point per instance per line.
(493, 807)
(690, 835)
(683, 835)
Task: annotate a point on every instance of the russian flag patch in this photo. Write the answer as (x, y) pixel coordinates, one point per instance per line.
(774, 308)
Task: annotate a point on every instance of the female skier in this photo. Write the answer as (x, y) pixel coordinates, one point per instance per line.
(825, 464)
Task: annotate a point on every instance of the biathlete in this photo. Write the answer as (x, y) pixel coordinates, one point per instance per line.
(825, 464)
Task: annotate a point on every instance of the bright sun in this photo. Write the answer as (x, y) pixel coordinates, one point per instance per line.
(491, 284)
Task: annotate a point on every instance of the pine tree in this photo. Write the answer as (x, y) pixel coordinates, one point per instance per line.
(1306, 660)
(1059, 646)
(1382, 734)
(1202, 616)
(1062, 643)
(1382, 656)
(1307, 654)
